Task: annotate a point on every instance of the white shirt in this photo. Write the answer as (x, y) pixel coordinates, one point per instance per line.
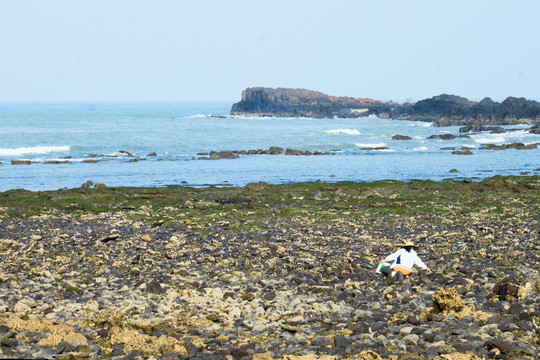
(405, 259)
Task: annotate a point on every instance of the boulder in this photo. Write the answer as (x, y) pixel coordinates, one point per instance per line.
(57, 162)
(521, 146)
(127, 153)
(261, 185)
(321, 341)
(293, 152)
(401, 137)
(274, 150)
(480, 128)
(517, 146)
(20, 162)
(447, 137)
(223, 155)
(154, 287)
(87, 184)
(462, 152)
(501, 345)
(506, 289)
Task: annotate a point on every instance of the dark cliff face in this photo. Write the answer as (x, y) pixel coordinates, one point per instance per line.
(442, 110)
(487, 112)
(442, 104)
(307, 103)
(296, 103)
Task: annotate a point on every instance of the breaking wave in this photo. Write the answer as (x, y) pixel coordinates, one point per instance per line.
(197, 116)
(511, 136)
(418, 124)
(376, 145)
(489, 140)
(343, 131)
(33, 150)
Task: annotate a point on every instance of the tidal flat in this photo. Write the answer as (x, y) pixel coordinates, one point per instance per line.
(271, 271)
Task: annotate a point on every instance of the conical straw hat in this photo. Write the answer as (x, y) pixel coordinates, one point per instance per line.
(411, 244)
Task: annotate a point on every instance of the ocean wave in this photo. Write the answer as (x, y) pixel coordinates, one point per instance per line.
(376, 145)
(418, 124)
(520, 134)
(420, 148)
(489, 140)
(342, 131)
(197, 116)
(33, 150)
(508, 137)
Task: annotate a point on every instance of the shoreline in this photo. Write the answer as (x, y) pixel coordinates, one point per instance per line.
(271, 271)
(233, 169)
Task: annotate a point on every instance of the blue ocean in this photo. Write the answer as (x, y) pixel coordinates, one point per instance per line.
(63, 145)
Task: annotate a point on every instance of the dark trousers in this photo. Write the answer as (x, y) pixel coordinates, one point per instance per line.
(386, 270)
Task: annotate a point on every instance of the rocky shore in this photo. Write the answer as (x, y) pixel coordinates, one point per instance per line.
(441, 110)
(271, 272)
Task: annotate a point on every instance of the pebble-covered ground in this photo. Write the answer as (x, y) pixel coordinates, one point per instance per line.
(271, 272)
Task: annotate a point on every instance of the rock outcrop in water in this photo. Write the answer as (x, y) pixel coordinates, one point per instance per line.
(306, 103)
(450, 110)
(442, 110)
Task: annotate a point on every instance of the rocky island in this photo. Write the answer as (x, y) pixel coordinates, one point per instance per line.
(441, 110)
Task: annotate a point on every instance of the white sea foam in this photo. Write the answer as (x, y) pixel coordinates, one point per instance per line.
(418, 124)
(420, 148)
(489, 140)
(519, 135)
(510, 136)
(198, 116)
(343, 131)
(33, 150)
(376, 145)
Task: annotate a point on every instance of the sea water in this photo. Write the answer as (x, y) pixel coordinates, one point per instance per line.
(68, 144)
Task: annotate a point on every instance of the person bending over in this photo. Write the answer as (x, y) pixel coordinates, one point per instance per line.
(404, 260)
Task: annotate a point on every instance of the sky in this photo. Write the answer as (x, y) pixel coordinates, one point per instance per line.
(211, 50)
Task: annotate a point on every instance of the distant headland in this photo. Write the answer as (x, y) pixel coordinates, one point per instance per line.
(441, 110)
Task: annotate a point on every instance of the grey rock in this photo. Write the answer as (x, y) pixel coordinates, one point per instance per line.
(154, 287)
(341, 341)
(515, 308)
(401, 137)
(3, 329)
(501, 345)
(321, 341)
(10, 343)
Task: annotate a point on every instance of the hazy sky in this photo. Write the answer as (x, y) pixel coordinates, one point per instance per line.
(211, 50)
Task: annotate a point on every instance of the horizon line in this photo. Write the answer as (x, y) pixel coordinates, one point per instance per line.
(113, 101)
